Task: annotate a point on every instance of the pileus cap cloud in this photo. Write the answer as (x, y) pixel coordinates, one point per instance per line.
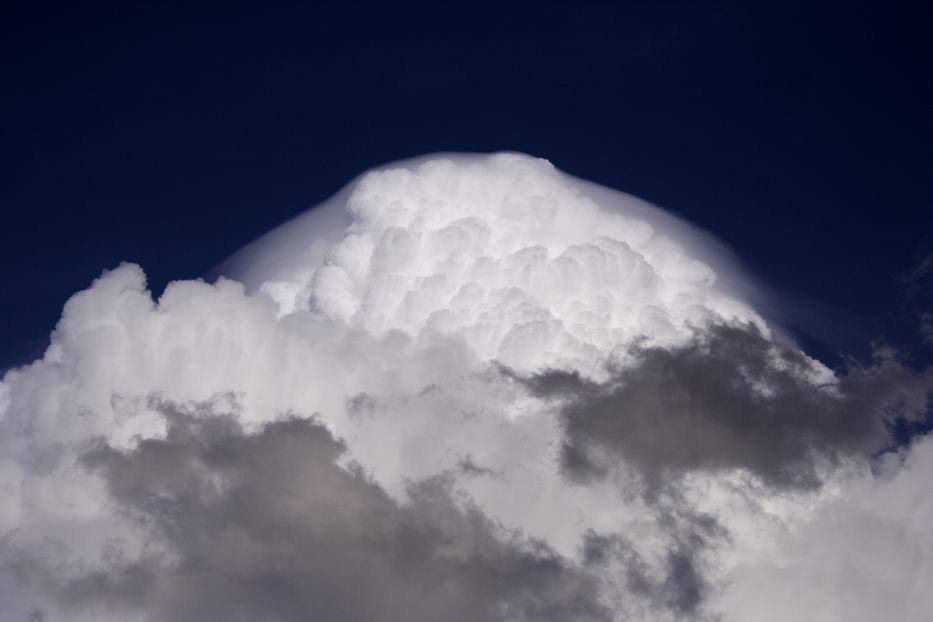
(529, 265)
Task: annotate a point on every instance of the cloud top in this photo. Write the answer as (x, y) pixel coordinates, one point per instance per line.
(527, 264)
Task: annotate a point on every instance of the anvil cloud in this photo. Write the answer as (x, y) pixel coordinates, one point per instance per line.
(465, 388)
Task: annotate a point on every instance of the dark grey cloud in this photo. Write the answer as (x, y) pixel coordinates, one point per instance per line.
(730, 399)
(680, 585)
(267, 526)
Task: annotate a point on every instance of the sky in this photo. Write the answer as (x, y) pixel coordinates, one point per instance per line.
(172, 136)
(475, 311)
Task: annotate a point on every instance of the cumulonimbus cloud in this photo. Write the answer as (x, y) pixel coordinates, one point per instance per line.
(466, 387)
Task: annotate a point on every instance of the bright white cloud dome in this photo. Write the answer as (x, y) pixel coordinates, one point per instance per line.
(527, 264)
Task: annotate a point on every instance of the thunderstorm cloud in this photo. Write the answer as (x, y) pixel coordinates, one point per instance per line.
(464, 388)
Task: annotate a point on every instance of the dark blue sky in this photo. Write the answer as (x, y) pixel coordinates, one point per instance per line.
(799, 133)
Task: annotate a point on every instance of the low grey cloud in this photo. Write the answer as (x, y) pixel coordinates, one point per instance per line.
(731, 398)
(681, 585)
(267, 526)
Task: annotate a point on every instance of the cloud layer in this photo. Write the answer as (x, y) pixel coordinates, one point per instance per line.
(267, 525)
(465, 388)
(730, 399)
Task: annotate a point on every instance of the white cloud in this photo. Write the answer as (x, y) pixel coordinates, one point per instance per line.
(387, 313)
(510, 254)
(864, 552)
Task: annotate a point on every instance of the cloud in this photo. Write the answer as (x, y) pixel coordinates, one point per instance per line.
(526, 264)
(677, 584)
(730, 399)
(267, 525)
(533, 398)
(864, 554)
